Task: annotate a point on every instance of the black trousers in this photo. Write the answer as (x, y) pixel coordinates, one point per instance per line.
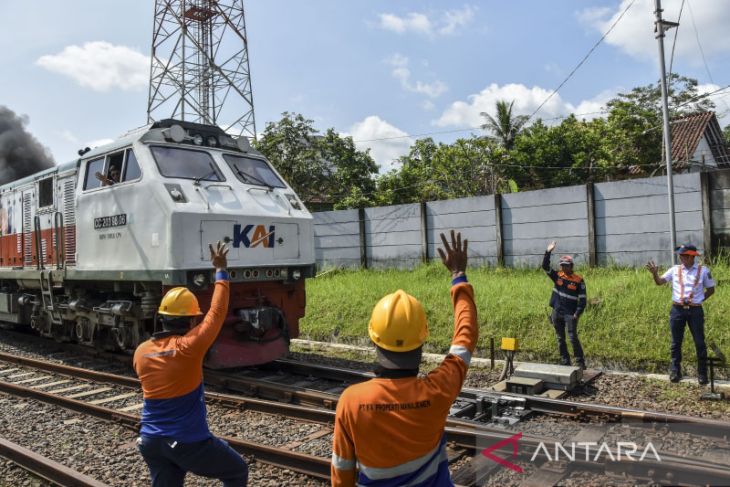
(561, 322)
(169, 461)
(694, 317)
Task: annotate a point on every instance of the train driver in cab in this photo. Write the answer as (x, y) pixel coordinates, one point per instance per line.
(113, 177)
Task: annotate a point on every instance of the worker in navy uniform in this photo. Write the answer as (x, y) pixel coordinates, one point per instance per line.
(568, 301)
(692, 285)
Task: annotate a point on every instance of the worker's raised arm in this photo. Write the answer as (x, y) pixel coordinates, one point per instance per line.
(199, 339)
(450, 375)
(552, 274)
(654, 270)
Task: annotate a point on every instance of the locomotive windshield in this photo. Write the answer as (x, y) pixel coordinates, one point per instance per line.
(174, 162)
(253, 171)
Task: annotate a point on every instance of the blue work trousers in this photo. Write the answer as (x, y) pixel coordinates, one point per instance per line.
(561, 321)
(694, 317)
(169, 461)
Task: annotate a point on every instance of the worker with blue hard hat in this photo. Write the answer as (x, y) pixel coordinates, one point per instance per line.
(692, 285)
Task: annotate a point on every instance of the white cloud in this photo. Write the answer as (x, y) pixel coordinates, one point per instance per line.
(526, 100)
(391, 141)
(100, 66)
(442, 23)
(414, 21)
(634, 34)
(402, 73)
(454, 19)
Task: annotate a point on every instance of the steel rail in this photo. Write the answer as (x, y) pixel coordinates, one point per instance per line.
(535, 403)
(290, 394)
(252, 404)
(298, 462)
(463, 434)
(46, 468)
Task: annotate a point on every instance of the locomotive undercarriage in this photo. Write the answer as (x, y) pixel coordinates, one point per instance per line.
(117, 316)
(108, 316)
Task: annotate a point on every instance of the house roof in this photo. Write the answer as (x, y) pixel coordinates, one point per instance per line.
(688, 130)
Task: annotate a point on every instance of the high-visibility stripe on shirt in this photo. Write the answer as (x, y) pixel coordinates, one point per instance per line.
(389, 428)
(429, 469)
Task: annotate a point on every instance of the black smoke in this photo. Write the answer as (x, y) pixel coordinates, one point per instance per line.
(20, 153)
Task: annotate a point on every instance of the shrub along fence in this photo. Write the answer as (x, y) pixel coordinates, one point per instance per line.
(623, 223)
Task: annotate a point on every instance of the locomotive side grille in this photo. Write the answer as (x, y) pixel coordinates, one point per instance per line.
(27, 232)
(69, 221)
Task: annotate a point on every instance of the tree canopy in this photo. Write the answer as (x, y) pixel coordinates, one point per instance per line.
(625, 143)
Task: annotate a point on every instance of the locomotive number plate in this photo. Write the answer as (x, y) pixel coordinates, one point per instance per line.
(110, 221)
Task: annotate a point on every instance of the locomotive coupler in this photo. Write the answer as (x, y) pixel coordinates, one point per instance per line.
(255, 322)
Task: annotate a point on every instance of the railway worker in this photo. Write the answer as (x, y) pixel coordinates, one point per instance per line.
(174, 437)
(390, 429)
(568, 301)
(692, 285)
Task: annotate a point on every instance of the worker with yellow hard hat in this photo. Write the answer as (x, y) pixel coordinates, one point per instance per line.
(390, 429)
(174, 435)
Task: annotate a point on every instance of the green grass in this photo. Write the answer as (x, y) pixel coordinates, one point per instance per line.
(624, 326)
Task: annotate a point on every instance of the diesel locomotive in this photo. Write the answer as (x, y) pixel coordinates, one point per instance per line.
(88, 248)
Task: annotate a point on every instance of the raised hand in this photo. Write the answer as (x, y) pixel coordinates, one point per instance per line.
(454, 256)
(652, 267)
(551, 246)
(218, 255)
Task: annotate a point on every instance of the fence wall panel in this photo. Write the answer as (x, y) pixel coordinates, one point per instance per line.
(632, 219)
(474, 217)
(630, 224)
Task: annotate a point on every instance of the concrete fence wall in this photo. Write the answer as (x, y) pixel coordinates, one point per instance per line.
(622, 223)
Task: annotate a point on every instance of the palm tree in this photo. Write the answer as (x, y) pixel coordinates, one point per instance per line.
(505, 127)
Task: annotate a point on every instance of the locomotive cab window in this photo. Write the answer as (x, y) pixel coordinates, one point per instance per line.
(174, 162)
(45, 192)
(131, 167)
(92, 168)
(253, 171)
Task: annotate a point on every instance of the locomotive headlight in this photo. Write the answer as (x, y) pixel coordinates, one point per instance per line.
(200, 280)
(198, 139)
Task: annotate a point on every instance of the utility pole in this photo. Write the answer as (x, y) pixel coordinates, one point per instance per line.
(660, 26)
(199, 65)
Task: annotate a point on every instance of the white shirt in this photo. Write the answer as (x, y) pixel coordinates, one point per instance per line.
(694, 285)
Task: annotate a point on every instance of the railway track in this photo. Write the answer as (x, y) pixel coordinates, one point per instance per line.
(45, 468)
(465, 436)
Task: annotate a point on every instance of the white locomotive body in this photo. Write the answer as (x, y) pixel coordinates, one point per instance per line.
(87, 249)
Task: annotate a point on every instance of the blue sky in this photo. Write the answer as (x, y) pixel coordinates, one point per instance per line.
(372, 69)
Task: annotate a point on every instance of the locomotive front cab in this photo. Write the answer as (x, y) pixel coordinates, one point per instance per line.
(194, 185)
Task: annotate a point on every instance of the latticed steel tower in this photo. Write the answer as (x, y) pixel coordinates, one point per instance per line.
(200, 70)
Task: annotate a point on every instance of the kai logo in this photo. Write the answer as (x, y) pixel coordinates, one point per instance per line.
(259, 236)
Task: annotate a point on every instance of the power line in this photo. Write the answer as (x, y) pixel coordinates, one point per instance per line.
(467, 129)
(674, 44)
(585, 58)
(699, 44)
